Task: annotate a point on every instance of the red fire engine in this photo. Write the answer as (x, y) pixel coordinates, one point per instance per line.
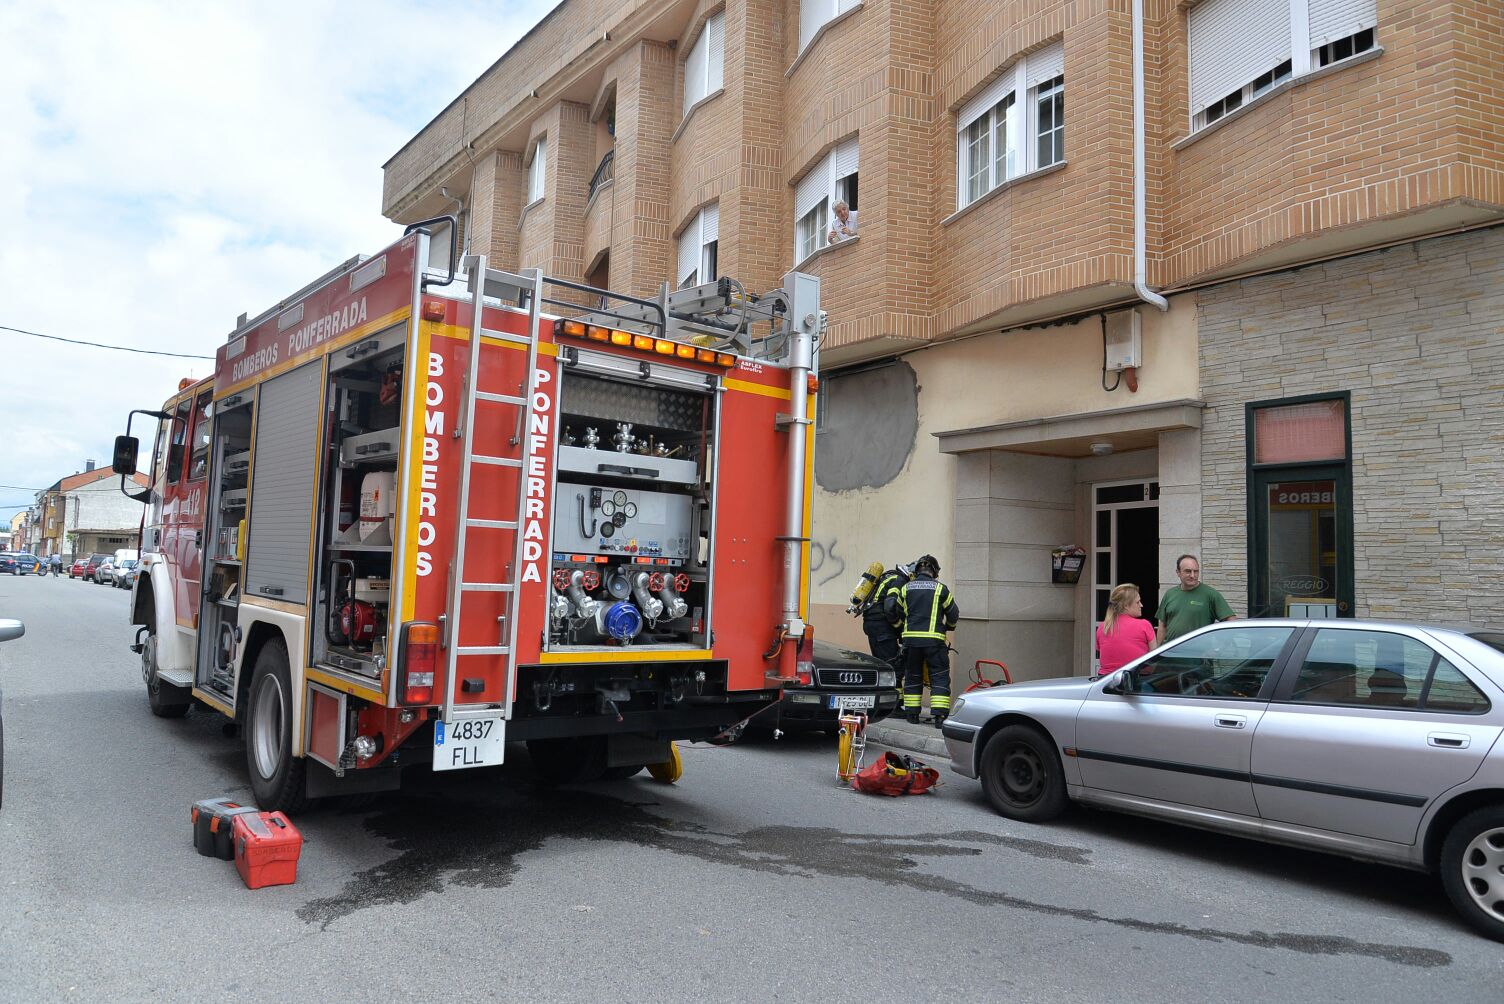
(416, 514)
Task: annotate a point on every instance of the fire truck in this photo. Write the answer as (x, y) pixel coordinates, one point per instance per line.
(419, 512)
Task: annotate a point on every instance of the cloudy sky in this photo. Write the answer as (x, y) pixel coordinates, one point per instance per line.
(165, 167)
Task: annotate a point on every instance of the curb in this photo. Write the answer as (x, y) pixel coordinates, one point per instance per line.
(931, 745)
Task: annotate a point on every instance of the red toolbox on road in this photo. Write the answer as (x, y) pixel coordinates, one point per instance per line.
(267, 846)
(211, 826)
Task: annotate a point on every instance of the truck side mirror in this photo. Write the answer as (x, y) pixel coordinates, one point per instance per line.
(126, 449)
(10, 629)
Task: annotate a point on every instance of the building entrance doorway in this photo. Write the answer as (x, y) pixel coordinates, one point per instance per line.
(1125, 546)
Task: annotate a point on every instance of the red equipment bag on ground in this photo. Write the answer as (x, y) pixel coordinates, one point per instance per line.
(267, 846)
(895, 775)
(212, 818)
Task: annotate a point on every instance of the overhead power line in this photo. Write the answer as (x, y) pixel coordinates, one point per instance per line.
(102, 345)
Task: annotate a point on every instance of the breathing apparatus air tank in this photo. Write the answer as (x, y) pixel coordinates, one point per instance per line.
(864, 587)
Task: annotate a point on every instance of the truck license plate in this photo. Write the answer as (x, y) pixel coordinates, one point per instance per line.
(847, 702)
(469, 742)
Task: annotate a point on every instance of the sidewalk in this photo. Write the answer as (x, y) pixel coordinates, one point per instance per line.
(922, 740)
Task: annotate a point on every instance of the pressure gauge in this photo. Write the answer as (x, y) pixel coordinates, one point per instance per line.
(620, 519)
(608, 508)
(608, 528)
(620, 498)
(631, 510)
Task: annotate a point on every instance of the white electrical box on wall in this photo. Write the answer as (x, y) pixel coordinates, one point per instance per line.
(1125, 346)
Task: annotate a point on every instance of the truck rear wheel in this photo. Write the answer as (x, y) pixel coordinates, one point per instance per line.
(167, 700)
(277, 777)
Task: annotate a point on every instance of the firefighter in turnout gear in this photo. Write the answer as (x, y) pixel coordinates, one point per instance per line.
(925, 611)
(882, 636)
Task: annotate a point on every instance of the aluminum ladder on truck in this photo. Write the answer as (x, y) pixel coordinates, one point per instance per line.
(507, 287)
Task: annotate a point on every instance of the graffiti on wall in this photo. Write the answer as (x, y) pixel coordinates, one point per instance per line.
(825, 565)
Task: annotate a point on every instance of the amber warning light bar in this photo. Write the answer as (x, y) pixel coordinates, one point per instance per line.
(642, 343)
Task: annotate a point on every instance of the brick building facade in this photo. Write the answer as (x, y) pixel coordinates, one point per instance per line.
(989, 150)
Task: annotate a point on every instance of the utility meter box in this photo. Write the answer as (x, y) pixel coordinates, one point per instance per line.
(1125, 346)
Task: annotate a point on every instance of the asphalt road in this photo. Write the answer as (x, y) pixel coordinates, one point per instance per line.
(753, 878)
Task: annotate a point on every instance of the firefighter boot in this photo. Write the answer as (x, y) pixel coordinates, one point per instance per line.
(940, 717)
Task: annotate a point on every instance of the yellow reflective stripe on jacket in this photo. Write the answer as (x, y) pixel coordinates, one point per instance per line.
(938, 599)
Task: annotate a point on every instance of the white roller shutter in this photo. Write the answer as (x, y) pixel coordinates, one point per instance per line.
(715, 30)
(694, 73)
(845, 159)
(282, 485)
(813, 14)
(813, 187)
(689, 250)
(710, 226)
(1232, 42)
(1334, 19)
(989, 96)
(1046, 64)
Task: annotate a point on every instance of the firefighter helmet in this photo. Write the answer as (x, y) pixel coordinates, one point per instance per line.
(927, 561)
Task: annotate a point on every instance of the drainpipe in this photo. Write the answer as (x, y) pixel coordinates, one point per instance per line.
(1140, 266)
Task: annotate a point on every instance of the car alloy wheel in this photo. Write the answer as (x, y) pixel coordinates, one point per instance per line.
(1483, 872)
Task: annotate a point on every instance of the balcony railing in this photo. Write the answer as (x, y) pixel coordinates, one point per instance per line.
(604, 173)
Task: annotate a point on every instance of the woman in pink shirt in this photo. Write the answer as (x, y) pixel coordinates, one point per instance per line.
(1123, 635)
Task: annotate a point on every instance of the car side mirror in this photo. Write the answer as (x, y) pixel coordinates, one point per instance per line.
(126, 450)
(1126, 682)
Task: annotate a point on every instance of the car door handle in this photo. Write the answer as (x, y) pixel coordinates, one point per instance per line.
(1231, 721)
(1448, 740)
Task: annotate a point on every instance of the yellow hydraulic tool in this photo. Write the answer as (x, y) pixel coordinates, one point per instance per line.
(851, 747)
(864, 586)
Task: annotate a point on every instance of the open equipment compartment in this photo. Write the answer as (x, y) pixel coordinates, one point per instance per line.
(351, 622)
(224, 538)
(633, 502)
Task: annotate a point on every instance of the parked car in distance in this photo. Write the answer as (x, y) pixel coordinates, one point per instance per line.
(104, 572)
(95, 560)
(124, 571)
(8, 561)
(1373, 740)
(9, 631)
(838, 679)
(78, 568)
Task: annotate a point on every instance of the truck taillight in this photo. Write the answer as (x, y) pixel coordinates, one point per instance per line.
(420, 660)
(804, 668)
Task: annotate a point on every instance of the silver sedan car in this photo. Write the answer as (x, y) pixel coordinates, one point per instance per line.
(1372, 740)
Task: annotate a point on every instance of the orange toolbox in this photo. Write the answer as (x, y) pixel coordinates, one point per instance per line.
(267, 846)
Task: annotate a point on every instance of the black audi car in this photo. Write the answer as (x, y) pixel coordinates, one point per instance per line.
(840, 679)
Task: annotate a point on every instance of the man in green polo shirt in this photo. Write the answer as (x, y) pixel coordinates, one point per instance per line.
(1190, 605)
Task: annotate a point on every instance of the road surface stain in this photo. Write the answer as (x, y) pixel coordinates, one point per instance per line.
(481, 847)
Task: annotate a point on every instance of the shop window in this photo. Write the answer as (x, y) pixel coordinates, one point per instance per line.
(1300, 509)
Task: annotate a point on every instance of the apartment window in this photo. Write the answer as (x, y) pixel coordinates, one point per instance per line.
(536, 170)
(1049, 101)
(1240, 49)
(1342, 48)
(698, 248)
(1002, 136)
(815, 14)
(831, 181)
(705, 69)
